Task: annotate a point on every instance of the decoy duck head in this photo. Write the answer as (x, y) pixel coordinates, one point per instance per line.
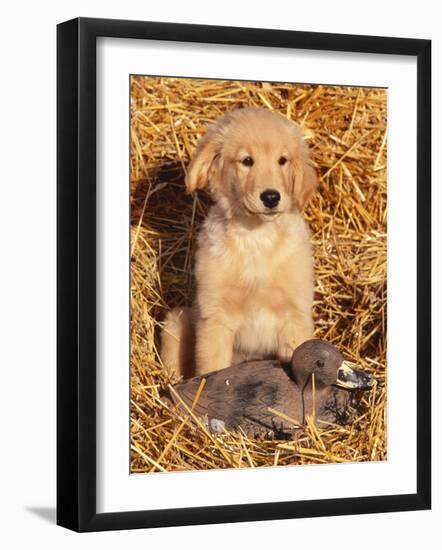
(322, 359)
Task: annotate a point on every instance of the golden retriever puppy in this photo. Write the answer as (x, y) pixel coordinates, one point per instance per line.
(254, 268)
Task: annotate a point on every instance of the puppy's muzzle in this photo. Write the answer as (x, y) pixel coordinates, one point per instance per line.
(270, 198)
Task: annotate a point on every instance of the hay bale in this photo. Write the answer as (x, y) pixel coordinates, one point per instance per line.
(346, 131)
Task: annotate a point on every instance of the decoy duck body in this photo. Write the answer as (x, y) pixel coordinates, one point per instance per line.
(267, 397)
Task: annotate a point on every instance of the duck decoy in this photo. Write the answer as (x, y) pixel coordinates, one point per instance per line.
(270, 398)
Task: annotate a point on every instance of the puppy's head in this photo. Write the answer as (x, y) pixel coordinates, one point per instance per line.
(255, 163)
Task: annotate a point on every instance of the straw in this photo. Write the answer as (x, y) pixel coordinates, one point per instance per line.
(346, 131)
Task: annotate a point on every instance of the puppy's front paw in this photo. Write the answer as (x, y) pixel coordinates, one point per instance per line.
(285, 352)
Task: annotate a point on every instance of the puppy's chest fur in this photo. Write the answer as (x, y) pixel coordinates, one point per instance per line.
(250, 270)
(256, 259)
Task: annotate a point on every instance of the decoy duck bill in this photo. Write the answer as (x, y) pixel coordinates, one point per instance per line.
(353, 379)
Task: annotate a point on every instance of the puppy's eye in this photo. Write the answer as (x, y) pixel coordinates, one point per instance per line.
(282, 161)
(320, 363)
(248, 161)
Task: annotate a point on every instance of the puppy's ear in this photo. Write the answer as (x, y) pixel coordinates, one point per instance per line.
(205, 161)
(305, 180)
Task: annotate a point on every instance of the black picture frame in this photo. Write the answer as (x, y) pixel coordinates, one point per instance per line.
(76, 273)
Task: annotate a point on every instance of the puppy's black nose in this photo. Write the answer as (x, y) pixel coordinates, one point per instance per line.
(270, 198)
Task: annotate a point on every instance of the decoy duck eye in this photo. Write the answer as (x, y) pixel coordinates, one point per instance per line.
(320, 363)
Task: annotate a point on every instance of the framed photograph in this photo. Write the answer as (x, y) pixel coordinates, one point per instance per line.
(243, 274)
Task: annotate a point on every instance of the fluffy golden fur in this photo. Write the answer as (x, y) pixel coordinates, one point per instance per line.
(254, 268)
